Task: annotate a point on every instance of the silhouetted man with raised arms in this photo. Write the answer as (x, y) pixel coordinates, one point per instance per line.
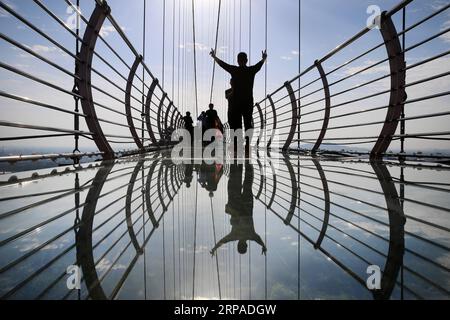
(243, 78)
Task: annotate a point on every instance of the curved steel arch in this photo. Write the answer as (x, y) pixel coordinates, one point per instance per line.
(158, 117)
(398, 96)
(166, 117)
(274, 120)
(148, 101)
(326, 117)
(294, 116)
(83, 70)
(130, 122)
(262, 125)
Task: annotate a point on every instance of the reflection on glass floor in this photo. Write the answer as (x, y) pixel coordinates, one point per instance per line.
(272, 227)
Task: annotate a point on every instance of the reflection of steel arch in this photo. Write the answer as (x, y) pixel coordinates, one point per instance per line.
(84, 244)
(396, 232)
(85, 255)
(326, 194)
(394, 259)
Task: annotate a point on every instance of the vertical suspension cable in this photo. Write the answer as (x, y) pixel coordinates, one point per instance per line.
(240, 25)
(298, 145)
(265, 141)
(173, 49)
(215, 50)
(163, 43)
(195, 58)
(195, 240)
(142, 137)
(215, 243)
(250, 32)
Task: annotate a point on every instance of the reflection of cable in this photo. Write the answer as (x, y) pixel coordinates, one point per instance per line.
(195, 242)
(215, 243)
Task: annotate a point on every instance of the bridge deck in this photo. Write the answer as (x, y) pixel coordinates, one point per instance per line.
(144, 227)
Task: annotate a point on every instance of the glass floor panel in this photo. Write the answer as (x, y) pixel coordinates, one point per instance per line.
(269, 227)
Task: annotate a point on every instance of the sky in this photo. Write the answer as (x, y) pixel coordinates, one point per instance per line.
(324, 25)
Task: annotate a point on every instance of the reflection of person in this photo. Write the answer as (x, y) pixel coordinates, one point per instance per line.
(209, 176)
(188, 174)
(240, 208)
(243, 78)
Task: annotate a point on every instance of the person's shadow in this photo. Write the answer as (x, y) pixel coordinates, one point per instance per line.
(240, 209)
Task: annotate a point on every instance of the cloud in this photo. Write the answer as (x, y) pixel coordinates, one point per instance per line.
(295, 52)
(383, 68)
(107, 30)
(446, 36)
(286, 58)
(4, 13)
(41, 48)
(438, 4)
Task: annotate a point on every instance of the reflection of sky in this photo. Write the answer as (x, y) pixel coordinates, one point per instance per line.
(325, 24)
(357, 234)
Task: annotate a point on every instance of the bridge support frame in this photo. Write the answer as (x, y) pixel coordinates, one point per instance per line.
(148, 101)
(83, 82)
(294, 116)
(158, 118)
(130, 122)
(274, 120)
(326, 117)
(397, 98)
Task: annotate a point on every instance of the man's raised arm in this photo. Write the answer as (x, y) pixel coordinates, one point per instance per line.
(224, 65)
(259, 65)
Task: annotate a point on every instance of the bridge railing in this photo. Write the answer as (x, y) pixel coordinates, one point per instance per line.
(97, 67)
(364, 104)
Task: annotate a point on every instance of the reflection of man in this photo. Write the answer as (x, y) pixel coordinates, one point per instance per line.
(188, 174)
(240, 208)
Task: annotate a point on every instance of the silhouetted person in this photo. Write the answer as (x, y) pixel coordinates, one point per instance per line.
(243, 78)
(211, 116)
(189, 125)
(240, 208)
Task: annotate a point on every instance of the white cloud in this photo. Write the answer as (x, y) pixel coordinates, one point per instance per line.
(286, 58)
(295, 52)
(4, 13)
(438, 4)
(446, 36)
(383, 68)
(107, 30)
(41, 48)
